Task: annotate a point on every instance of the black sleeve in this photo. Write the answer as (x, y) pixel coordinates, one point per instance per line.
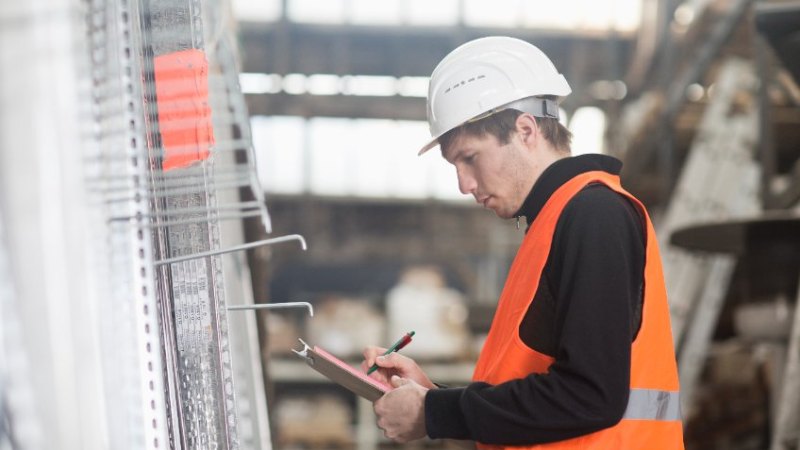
(597, 262)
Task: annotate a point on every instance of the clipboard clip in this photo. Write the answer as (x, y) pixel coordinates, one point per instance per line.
(303, 353)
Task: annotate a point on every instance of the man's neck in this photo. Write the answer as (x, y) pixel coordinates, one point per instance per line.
(544, 157)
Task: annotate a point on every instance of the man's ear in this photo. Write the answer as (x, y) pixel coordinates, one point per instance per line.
(527, 128)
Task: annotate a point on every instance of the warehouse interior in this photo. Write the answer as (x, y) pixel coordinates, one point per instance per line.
(158, 267)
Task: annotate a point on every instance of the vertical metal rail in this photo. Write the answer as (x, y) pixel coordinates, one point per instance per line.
(706, 315)
(20, 426)
(132, 345)
(786, 435)
(44, 126)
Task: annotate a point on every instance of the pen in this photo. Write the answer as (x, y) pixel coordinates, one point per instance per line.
(402, 342)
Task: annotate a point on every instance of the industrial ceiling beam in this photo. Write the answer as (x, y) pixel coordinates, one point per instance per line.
(395, 107)
(289, 47)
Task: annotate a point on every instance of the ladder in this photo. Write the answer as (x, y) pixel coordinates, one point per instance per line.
(720, 180)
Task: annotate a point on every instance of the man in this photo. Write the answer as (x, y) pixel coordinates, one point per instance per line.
(580, 353)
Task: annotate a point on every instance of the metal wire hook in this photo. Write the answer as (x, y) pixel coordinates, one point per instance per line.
(291, 237)
(283, 305)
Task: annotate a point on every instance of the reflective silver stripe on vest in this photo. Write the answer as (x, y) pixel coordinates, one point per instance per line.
(651, 404)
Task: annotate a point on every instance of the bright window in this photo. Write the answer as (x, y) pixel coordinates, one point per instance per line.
(329, 144)
(350, 157)
(431, 12)
(316, 11)
(280, 153)
(588, 126)
(497, 13)
(374, 12)
(591, 15)
(327, 84)
(257, 10)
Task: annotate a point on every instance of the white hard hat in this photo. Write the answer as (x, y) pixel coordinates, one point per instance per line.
(487, 75)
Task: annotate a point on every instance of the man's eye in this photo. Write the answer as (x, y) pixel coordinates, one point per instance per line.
(469, 159)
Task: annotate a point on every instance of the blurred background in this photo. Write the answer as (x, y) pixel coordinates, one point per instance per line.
(154, 153)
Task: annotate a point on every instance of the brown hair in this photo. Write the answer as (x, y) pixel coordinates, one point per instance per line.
(503, 123)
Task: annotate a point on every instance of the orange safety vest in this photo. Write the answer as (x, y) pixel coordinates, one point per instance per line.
(652, 420)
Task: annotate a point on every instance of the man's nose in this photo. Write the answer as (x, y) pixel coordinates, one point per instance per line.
(466, 183)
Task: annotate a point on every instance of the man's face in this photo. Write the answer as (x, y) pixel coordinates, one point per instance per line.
(499, 176)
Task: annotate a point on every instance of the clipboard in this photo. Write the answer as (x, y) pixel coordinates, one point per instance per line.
(342, 373)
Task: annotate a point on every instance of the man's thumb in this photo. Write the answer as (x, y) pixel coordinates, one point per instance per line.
(398, 381)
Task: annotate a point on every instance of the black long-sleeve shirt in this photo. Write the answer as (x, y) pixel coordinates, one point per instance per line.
(585, 314)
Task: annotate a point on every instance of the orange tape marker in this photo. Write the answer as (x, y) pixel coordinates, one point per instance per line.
(184, 114)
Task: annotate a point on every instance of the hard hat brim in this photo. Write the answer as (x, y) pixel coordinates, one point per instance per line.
(433, 143)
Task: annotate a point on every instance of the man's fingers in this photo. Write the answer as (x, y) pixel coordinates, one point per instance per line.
(388, 361)
(398, 381)
(370, 353)
(395, 360)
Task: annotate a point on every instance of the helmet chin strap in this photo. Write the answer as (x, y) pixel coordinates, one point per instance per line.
(535, 106)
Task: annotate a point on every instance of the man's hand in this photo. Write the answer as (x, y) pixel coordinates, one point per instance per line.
(401, 411)
(394, 364)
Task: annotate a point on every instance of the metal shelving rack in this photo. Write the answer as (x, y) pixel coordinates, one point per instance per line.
(125, 147)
